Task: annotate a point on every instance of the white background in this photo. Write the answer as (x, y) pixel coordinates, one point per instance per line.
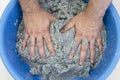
(4, 75)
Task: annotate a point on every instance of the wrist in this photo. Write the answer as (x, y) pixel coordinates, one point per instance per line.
(32, 11)
(96, 9)
(93, 14)
(30, 6)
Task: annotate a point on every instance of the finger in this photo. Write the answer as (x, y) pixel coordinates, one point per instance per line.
(40, 47)
(83, 53)
(32, 47)
(72, 54)
(99, 41)
(68, 26)
(24, 41)
(49, 43)
(92, 50)
(78, 39)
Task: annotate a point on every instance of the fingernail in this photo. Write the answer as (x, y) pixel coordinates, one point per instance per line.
(81, 63)
(43, 58)
(53, 54)
(32, 58)
(23, 48)
(70, 57)
(92, 61)
(62, 30)
(101, 52)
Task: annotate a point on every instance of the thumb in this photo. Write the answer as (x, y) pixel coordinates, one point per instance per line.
(68, 26)
(52, 18)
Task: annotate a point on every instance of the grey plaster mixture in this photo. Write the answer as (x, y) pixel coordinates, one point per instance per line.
(59, 67)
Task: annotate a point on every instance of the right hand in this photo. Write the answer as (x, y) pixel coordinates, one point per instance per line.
(37, 25)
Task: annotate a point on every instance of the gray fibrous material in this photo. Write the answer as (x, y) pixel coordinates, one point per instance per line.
(59, 67)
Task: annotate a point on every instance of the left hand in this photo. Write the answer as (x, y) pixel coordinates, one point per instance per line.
(88, 28)
(37, 24)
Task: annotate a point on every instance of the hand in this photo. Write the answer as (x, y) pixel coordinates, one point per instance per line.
(37, 26)
(86, 28)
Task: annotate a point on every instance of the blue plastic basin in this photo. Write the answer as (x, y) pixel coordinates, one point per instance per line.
(20, 71)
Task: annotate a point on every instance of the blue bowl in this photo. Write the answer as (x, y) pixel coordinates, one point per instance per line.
(20, 70)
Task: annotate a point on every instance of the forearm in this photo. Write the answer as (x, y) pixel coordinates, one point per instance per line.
(97, 8)
(29, 5)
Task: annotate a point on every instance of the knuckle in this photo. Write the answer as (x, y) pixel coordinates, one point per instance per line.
(31, 33)
(92, 53)
(32, 45)
(91, 47)
(42, 56)
(79, 34)
(46, 35)
(32, 54)
(25, 30)
(24, 40)
(28, 32)
(41, 52)
(50, 46)
(32, 51)
(38, 33)
(45, 31)
(38, 42)
(49, 43)
(92, 50)
(82, 59)
(101, 48)
(84, 49)
(99, 40)
(40, 46)
(99, 44)
(23, 45)
(91, 58)
(51, 50)
(71, 55)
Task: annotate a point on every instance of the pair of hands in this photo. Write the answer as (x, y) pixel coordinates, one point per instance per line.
(37, 26)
